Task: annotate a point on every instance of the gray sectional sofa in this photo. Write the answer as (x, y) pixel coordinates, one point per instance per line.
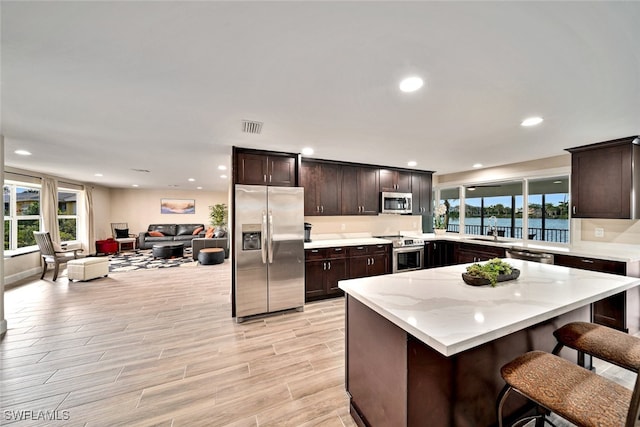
(170, 233)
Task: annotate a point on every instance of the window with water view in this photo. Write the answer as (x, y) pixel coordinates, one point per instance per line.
(500, 206)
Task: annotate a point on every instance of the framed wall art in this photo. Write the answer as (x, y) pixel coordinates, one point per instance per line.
(177, 206)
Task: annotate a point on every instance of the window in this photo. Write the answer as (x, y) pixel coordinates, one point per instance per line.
(21, 215)
(494, 205)
(450, 197)
(68, 215)
(549, 209)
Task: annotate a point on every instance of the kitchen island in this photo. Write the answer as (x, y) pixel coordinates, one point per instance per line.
(424, 348)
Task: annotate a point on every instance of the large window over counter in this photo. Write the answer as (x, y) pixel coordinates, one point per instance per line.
(548, 209)
(494, 207)
(500, 206)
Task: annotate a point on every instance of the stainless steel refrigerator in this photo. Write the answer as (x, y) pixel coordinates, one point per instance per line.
(268, 249)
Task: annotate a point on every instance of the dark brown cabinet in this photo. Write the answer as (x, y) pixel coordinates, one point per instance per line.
(360, 190)
(602, 178)
(395, 180)
(421, 191)
(439, 253)
(610, 311)
(471, 252)
(369, 260)
(323, 269)
(265, 169)
(322, 184)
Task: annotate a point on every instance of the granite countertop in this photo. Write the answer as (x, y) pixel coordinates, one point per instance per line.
(349, 241)
(437, 307)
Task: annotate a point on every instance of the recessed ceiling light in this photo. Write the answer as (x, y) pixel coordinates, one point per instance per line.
(307, 151)
(198, 188)
(412, 163)
(477, 165)
(223, 176)
(531, 121)
(191, 179)
(222, 168)
(22, 152)
(411, 84)
(134, 185)
(97, 174)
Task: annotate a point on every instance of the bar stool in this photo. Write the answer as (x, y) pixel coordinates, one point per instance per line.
(570, 391)
(600, 341)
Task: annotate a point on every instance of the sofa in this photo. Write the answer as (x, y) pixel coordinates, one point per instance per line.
(160, 233)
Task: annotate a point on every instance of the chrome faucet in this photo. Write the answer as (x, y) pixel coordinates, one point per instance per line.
(493, 229)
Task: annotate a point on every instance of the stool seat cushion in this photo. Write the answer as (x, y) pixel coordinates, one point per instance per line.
(87, 268)
(210, 256)
(574, 393)
(602, 342)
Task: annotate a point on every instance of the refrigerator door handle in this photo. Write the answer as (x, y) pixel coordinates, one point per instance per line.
(264, 237)
(270, 237)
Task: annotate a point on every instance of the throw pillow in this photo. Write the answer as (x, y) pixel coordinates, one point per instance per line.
(156, 234)
(209, 233)
(122, 233)
(197, 231)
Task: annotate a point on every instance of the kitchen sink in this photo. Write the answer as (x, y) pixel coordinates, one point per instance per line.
(487, 239)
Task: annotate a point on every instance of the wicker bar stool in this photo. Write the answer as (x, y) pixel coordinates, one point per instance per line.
(599, 341)
(568, 390)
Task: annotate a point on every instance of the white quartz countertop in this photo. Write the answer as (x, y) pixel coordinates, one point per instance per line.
(357, 241)
(437, 307)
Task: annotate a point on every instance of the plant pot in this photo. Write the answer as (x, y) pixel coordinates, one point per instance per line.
(440, 230)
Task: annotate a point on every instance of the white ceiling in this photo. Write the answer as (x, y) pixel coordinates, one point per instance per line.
(110, 87)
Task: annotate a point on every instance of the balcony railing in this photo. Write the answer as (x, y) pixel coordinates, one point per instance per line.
(559, 235)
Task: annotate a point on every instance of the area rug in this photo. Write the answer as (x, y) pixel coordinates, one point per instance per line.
(143, 260)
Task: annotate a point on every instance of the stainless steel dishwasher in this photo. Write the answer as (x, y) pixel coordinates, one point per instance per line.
(528, 255)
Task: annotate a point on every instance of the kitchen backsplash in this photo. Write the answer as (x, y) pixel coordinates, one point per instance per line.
(613, 230)
(376, 225)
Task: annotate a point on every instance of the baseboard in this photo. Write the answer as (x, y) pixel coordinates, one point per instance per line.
(15, 278)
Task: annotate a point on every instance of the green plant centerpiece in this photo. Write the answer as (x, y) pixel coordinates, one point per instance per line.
(493, 271)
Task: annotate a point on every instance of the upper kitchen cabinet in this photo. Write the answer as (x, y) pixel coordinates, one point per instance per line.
(604, 177)
(264, 168)
(360, 190)
(322, 184)
(421, 191)
(395, 180)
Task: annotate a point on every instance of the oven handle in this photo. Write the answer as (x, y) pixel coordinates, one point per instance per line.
(408, 249)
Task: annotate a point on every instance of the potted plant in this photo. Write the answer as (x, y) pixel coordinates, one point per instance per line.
(218, 215)
(440, 219)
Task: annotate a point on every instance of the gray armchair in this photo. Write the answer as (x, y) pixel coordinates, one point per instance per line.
(52, 253)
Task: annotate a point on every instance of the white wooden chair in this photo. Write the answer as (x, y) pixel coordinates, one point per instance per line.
(52, 253)
(120, 233)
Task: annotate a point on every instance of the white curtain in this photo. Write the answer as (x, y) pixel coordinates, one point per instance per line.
(86, 233)
(49, 198)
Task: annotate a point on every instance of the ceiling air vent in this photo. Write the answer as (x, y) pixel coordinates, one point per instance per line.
(250, 126)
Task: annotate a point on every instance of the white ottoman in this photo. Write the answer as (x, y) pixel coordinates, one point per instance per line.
(87, 268)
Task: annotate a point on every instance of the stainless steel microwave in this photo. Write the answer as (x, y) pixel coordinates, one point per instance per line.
(395, 203)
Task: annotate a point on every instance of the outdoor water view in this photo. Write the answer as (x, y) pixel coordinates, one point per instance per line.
(501, 206)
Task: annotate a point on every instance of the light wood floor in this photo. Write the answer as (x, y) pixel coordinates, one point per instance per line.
(159, 347)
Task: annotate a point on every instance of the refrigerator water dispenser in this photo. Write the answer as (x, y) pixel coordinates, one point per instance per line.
(251, 237)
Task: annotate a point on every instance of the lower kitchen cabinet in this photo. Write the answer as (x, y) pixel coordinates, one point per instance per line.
(323, 269)
(368, 260)
(471, 252)
(439, 253)
(610, 311)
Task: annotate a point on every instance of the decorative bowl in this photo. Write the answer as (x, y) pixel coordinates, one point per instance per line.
(481, 281)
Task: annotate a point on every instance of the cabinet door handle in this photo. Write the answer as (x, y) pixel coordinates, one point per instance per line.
(373, 261)
(270, 176)
(368, 261)
(321, 208)
(588, 261)
(315, 251)
(574, 209)
(329, 265)
(324, 265)
(264, 178)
